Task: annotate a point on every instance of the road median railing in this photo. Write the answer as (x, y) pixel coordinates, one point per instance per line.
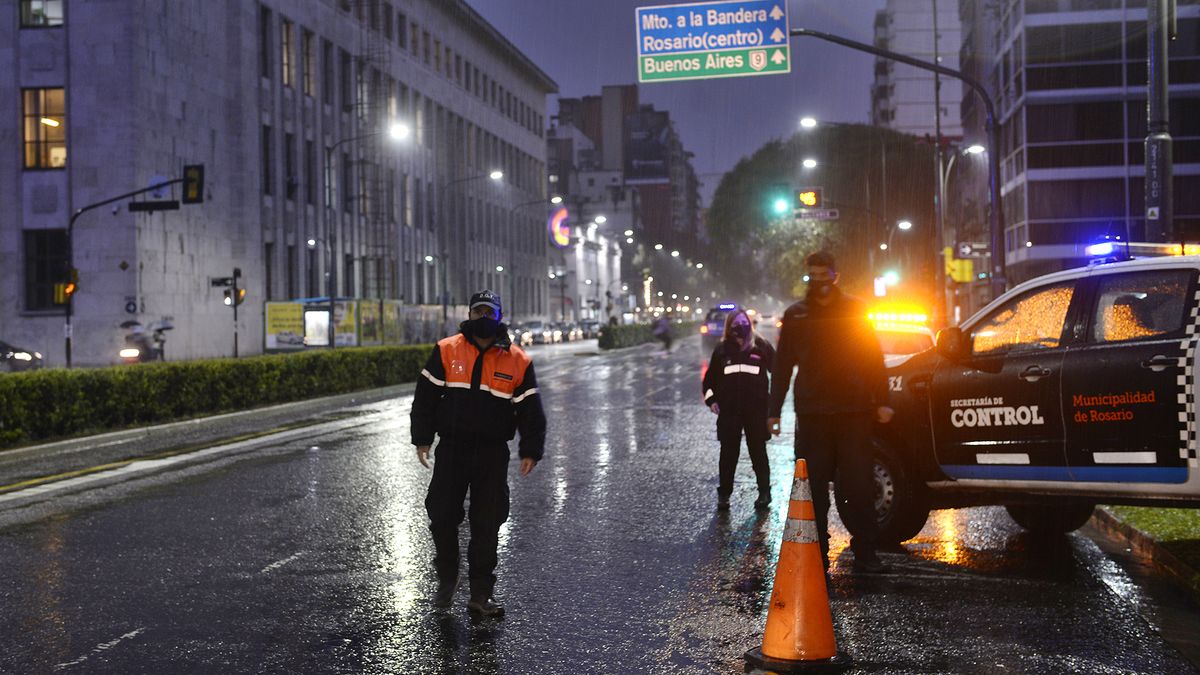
(55, 403)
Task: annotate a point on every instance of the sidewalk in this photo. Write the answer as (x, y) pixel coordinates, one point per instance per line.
(1147, 547)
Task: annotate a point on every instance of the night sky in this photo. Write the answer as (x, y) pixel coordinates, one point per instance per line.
(584, 44)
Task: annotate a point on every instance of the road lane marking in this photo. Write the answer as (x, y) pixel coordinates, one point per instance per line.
(102, 647)
(134, 468)
(99, 468)
(280, 563)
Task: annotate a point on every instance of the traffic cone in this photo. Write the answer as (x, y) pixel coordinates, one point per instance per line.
(799, 632)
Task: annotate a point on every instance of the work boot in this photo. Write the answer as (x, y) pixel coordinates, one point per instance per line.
(867, 561)
(763, 501)
(722, 503)
(444, 595)
(485, 605)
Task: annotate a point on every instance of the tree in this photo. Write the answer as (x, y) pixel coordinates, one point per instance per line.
(873, 176)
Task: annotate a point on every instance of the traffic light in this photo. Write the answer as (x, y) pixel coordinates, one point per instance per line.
(193, 184)
(781, 200)
(229, 297)
(241, 295)
(231, 293)
(810, 198)
(65, 290)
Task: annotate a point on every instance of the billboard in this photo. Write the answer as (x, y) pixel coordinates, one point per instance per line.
(648, 147)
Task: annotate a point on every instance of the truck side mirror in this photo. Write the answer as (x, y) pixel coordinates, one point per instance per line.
(952, 344)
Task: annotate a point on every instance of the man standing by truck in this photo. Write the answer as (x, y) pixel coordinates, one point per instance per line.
(841, 390)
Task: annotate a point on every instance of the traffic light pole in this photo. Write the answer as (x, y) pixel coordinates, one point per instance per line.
(237, 300)
(71, 249)
(997, 280)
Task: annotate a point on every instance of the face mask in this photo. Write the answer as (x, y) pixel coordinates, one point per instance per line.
(820, 288)
(740, 331)
(483, 327)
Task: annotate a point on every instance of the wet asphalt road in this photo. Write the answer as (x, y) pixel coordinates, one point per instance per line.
(313, 555)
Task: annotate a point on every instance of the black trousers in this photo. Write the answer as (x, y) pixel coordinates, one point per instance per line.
(730, 426)
(483, 470)
(838, 447)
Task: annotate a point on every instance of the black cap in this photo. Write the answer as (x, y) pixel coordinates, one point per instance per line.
(488, 298)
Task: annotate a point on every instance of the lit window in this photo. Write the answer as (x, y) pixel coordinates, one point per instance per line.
(285, 52)
(41, 13)
(45, 129)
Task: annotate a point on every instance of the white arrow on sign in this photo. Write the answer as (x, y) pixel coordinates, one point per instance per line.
(776, 13)
(778, 36)
(778, 57)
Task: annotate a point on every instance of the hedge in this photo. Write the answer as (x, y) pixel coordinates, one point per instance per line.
(615, 337)
(51, 403)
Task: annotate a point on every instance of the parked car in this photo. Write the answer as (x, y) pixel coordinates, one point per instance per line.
(15, 359)
(520, 334)
(1072, 389)
(539, 332)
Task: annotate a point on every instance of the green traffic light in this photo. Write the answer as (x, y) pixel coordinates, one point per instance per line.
(782, 206)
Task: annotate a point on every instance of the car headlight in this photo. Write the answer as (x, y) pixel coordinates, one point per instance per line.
(22, 356)
(130, 353)
(37, 355)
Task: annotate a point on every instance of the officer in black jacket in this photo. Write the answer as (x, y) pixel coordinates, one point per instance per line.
(736, 389)
(841, 390)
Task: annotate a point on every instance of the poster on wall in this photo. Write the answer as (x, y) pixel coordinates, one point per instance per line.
(346, 319)
(370, 330)
(393, 329)
(284, 326)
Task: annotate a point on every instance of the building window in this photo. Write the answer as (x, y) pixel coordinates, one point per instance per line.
(45, 265)
(291, 272)
(387, 22)
(285, 52)
(314, 283)
(41, 13)
(264, 42)
(347, 181)
(401, 30)
(291, 180)
(267, 159)
(330, 195)
(327, 72)
(310, 173)
(309, 63)
(45, 113)
(269, 269)
(347, 81)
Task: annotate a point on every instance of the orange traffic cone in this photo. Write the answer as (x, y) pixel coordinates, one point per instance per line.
(799, 632)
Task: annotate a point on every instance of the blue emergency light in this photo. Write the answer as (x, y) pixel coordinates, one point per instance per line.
(727, 305)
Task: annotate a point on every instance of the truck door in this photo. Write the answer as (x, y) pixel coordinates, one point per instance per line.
(1125, 394)
(997, 415)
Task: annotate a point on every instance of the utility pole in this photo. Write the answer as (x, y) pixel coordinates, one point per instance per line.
(1160, 30)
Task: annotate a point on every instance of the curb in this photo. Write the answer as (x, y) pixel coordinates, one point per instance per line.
(1145, 546)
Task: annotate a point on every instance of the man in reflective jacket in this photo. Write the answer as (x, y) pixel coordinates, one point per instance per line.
(476, 391)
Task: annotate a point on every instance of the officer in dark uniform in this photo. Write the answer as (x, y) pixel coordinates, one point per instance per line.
(841, 390)
(476, 391)
(736, 389)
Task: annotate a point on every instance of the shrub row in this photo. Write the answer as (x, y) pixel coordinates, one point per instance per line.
(615, 337)
(51, 403)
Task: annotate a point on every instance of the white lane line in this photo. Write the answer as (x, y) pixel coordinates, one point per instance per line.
(102, 647)
(145, 466)
(280, 563)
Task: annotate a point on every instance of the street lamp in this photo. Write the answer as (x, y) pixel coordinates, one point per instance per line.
(809, 163)
(312, 243)
(444, 234)
(398, 132)
(808, 122)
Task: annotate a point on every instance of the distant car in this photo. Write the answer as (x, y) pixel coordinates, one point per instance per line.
(714, 325)
(591, 329)
(15, 359)
(539, 333)
(572, 332)
(557, 334)
(900, 342)
(520, 334)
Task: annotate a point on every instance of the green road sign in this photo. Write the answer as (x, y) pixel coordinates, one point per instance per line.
(712, 39)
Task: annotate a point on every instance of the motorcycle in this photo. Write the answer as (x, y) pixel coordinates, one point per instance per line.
(143, 348)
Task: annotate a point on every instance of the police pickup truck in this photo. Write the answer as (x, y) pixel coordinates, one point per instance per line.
(1072, 389)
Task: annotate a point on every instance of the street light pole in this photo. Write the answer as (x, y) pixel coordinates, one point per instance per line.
(444, 235)
(997, 280)
(512, 252)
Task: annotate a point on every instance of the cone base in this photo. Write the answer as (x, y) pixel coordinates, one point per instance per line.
(757, 659)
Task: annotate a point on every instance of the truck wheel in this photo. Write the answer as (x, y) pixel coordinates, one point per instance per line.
(1051, 518)
(900, 501)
